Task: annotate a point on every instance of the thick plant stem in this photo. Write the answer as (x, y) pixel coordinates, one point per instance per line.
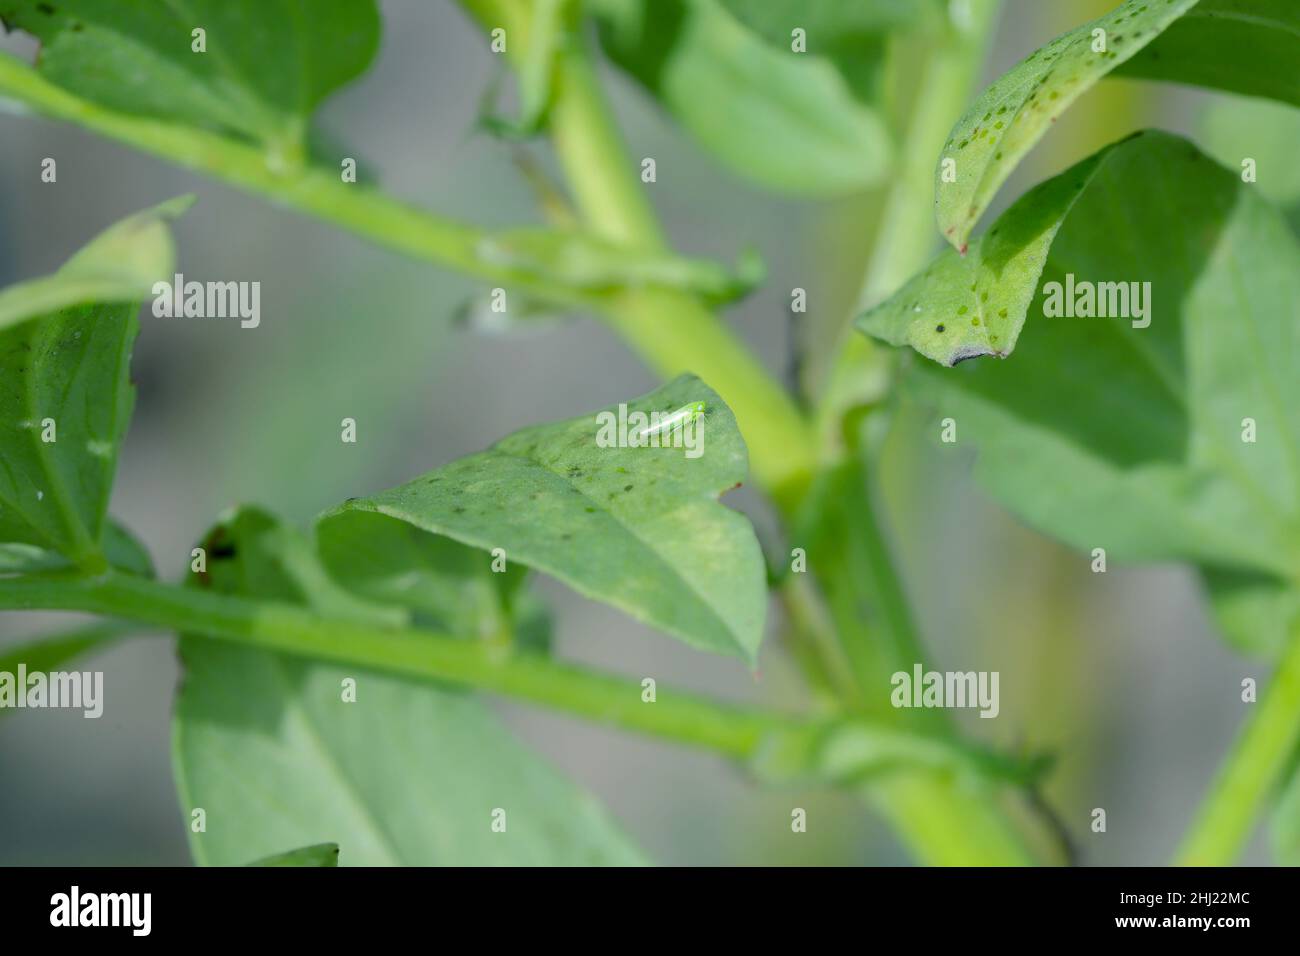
(859, 577)
(729, 730)
(1252, 770)
(944, 822)
(695, 721)
(950, 822)
(310, 189)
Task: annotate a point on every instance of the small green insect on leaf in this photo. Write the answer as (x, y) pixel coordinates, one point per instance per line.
(629, 519)
(663, 424)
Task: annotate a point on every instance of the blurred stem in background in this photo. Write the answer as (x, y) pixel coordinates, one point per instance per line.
(1252, 770)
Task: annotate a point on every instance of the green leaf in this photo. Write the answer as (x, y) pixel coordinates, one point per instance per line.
(451, 587)
(51, 653)
(1108, 435)
(268, 63)
(851, 34)
(407, 774)
(447, 586)
(122, 550)
(65, 347)
(121, 264)
(636, 527)
(826, 22)
(1011, 116)
(1256, 612)
(964, 306)
(787, 121)
(1235, 128)
(322, 854)
(1242, 46)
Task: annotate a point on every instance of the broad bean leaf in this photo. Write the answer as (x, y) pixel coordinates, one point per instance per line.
(1234, 129)
(448, 587)
(406, 774)
(322, 854)
(1243, 46)
(1126, 433)
(787, 121)
(826, 21)
(636, 527)
(65, 393)
(122, 550)
(267, 64)
(851, 34)
(53, 652)
(1256, 612)
(1247, 46)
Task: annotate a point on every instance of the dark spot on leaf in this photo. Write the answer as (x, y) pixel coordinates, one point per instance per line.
(939, 327)
(627, 487)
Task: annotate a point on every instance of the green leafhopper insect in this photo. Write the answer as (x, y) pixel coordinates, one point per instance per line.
(663, 424)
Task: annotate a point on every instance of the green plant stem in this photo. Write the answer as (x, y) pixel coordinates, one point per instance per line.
(1251, 771)
(726, 729)
(360, 209)
(944, 822)
(683, 718)
(906, 236)
(312, 190)
(671, 331)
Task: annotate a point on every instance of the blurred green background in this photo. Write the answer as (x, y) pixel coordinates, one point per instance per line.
(1120, 673)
